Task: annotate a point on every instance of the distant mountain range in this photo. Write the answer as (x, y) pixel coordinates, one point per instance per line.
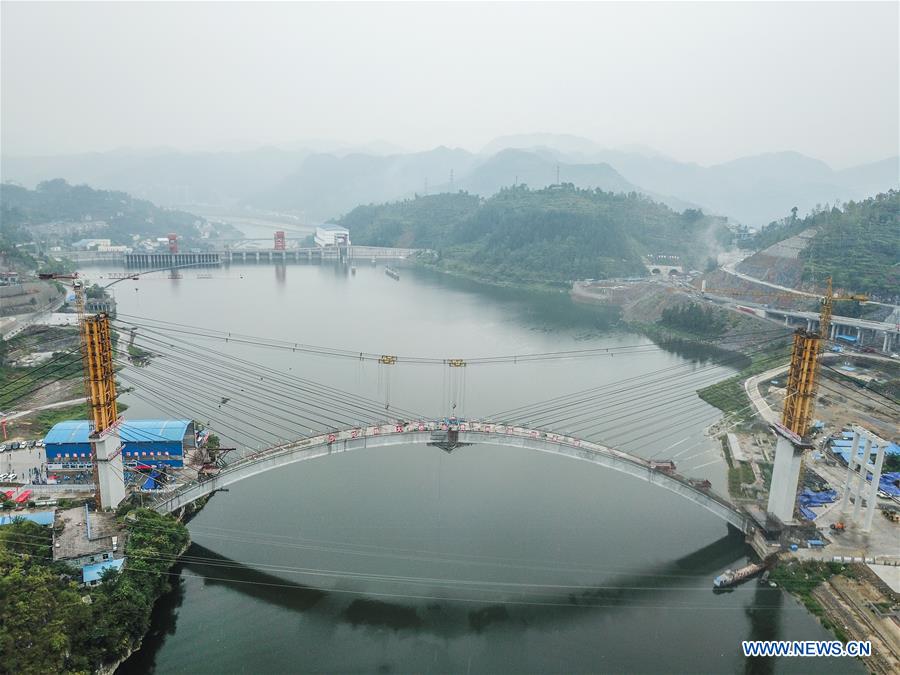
(322, 180)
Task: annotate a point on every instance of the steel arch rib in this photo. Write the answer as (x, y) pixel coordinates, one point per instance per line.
(474, 433)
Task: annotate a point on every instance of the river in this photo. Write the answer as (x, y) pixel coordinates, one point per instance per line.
(490, 559)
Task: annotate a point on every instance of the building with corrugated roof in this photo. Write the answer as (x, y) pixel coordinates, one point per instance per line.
(154, 442)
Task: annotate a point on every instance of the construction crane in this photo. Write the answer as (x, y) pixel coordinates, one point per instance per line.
(826, 302)
(803, 371)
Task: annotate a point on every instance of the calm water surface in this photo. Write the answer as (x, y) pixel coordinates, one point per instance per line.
(408, 559)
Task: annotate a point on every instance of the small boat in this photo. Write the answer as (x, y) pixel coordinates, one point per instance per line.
(392, 273)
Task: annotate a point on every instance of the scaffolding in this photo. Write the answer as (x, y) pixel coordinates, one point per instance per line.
(799, 401)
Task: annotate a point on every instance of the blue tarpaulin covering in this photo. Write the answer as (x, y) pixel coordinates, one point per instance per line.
(889, 482)
(806, 513)
(809, 499)
(151, 483)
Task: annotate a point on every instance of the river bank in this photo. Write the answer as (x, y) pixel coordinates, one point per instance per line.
(850, 601)
(49, 622)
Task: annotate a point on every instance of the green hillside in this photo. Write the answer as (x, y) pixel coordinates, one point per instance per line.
(553, 235)
(101, 213)
(858, 245)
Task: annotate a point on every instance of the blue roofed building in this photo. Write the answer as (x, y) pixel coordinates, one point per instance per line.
(39, 517)
(92, 574)
(843, 446)
(154, 442)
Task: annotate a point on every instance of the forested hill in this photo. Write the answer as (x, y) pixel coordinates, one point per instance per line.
(857, 245)
(101, 213)
(553, 235)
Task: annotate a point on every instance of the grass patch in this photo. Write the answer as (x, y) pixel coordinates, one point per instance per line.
(738, 476)
(44, 420)
(17, 384)
(765, 468)
(739, 473)
(729, 395)
(801, 578)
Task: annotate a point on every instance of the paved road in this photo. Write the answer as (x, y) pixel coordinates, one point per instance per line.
(730, 269)
(58, 404)
(22, 322)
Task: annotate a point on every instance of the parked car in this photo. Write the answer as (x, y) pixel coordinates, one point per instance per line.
(12, 476)
(39, 443)
(3, 476)
(31, 444)
(2, 447)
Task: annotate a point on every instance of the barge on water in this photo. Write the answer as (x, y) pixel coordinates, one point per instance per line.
(730, 578)
(392, 273)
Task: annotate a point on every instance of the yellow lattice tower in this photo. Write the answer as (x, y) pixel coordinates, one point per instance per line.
(100, 375)
(100, 382)
(800, 397)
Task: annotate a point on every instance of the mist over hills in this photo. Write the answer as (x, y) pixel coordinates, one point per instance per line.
(753, 190)
(321, 180)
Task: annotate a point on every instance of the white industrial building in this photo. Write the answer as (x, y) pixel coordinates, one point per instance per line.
(332, 235)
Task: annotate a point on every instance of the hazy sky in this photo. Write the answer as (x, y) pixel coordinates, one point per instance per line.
(701, 82)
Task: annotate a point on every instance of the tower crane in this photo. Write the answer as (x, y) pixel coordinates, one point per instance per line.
(826, 303)
(803, 371)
